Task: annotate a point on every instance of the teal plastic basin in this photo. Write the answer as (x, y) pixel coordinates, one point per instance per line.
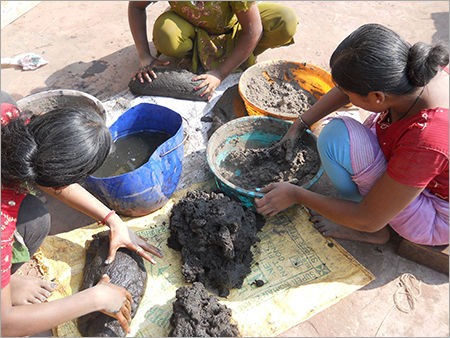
(248, 132)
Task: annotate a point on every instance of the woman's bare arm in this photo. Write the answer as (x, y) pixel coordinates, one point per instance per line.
(385, 200)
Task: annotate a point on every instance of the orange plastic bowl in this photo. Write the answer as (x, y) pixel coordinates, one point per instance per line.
(312, 78)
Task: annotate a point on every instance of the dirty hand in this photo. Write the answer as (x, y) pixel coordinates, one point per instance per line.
(290, 140)
(146, 72)
(116, 301)
(122, 237)
(278, 197)
(211, 80)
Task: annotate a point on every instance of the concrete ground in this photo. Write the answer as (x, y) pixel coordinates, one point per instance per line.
(89, 47)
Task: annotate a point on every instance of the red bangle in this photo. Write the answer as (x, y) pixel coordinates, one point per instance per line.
(112, 212)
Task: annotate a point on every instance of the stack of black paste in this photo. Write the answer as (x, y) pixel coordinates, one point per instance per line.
(198, 314)
(214, 234)
(170, 82)
(127, 270)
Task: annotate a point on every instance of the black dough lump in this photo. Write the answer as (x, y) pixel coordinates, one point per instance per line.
(198, 314)
(214, 234)
(127, 270)
(170, 82)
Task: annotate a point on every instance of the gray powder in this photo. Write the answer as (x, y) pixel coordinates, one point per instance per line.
(275, 90)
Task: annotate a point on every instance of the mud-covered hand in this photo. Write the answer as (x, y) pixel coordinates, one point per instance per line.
(115, 301)
(211, 80)
(122, 237)
(278, 197)
(290, 140)
(146, 72)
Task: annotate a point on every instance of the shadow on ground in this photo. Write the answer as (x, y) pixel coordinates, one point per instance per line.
(102, 78)
(442, 27)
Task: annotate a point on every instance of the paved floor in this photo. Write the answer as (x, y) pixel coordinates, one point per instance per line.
(89, 48)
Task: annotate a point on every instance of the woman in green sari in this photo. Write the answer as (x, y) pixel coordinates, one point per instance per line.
(218, 36)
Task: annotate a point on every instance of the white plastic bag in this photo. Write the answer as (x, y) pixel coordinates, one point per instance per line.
(28, 61)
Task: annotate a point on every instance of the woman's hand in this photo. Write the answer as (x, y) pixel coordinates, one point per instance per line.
(291, 139)
(211, 80)
(146, 72)
(115, 301)
(278, 197)
(80, 199)
(122, 237)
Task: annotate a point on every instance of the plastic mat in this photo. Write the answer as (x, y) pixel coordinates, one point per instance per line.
(303, 273)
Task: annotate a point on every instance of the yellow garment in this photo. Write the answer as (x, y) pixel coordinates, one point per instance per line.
(207, 31)
(302, 271)
(215, 17)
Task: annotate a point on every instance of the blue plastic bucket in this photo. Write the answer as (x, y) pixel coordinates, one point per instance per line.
(149, 187)
(248, 132)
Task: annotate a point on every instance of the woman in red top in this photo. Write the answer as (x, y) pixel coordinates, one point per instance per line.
(53, 152)
(394, 168)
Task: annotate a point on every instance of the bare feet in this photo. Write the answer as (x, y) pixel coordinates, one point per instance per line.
(331, 229)
(29, 290)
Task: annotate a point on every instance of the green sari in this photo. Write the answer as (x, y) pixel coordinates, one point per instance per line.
(207, 31)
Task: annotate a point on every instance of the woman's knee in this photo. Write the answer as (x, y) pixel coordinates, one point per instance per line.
(172, 35)
(280, 25)
(333, 144)
(33, 222)
(334, 149)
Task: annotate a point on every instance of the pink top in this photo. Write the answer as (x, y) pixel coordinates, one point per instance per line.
(11, 200)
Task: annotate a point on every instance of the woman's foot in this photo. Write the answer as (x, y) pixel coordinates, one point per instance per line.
(331, 229)
(29, 290)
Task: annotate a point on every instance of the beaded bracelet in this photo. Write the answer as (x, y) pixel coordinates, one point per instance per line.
(304, 123)
(112, 212)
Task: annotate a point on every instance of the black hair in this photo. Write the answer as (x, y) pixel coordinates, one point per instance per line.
(55, 149)
(374, 58)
